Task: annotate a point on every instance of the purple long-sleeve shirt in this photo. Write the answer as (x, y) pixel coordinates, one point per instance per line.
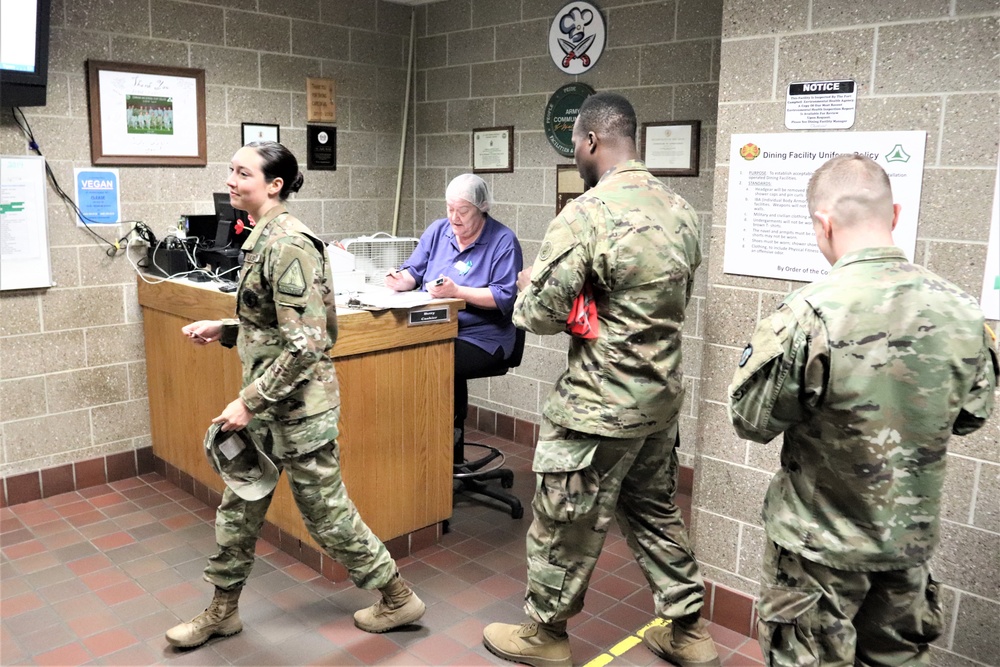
(492, 261)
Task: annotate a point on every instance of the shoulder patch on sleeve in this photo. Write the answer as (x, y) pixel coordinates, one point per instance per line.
(292, 282)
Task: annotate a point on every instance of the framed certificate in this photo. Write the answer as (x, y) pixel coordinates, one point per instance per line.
(670, 148)
(260, 132)
(569, 185)
(146, 114)
(493, 150)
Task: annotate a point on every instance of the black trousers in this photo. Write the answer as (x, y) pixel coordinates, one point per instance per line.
(471, 361)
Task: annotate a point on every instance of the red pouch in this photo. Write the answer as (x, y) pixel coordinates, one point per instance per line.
(582, 320)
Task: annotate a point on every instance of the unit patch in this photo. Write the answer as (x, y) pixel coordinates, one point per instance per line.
(292, 282)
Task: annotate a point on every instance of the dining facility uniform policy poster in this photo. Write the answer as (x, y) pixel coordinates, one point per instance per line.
(769, 232)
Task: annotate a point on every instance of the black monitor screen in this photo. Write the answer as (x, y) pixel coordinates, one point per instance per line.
(24, 52)
(202, 227)
(230, 234)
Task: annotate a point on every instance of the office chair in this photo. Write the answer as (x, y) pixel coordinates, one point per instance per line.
(471, 475)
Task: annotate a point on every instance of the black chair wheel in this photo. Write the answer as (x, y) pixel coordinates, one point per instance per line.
(516, 512)
(507, 480)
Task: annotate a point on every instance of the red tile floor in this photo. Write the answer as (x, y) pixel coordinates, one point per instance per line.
(95, 578)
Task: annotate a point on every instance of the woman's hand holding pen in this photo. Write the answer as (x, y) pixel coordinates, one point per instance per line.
(203, 332)
(401, 281)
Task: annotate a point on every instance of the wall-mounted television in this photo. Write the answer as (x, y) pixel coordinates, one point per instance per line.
(24, 52)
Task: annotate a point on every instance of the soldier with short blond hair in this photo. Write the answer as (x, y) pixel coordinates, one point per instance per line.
(868, 372)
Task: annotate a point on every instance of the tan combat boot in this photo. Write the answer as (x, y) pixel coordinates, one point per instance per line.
(399, 605)
(222, 618)
(684, 644)
(536, 644)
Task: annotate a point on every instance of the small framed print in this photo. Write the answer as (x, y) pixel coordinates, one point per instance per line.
(493, 150)
(569, 185)
(260, 132)
(670, 148)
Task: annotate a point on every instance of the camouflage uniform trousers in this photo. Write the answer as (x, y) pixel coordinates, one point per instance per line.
(319, 492)
(811, 614)
(633, 480)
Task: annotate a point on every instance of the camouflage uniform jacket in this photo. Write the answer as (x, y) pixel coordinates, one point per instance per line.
(867, 372)
(287, 321)
(637, 244)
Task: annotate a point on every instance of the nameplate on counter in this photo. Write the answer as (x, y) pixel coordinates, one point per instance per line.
(429, 316)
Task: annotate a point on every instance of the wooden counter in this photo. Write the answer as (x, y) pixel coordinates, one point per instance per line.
(396, 405)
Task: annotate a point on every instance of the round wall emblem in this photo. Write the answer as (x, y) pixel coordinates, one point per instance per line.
(749, 151)
(560, 114)
(576, 37)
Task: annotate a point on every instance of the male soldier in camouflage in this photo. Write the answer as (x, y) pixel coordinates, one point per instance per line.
(606, 443)
(290, 403)
(868, 372)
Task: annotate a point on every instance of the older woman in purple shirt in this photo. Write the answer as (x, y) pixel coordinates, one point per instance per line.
(471, 256)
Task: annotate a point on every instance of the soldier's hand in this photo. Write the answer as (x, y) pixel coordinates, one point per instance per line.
(523, 279)
(203, 332)
(235, 416)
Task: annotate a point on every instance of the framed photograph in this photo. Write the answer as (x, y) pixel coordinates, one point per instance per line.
(493, 150)
(260, 132)
(670, 148)
(146, 114)
(569, 185)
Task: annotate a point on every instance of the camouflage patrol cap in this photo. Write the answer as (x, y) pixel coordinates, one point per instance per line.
(246, 470)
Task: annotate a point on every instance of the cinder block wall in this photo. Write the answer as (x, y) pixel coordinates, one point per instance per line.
(920, 65)
(72, 365)
(484, 63)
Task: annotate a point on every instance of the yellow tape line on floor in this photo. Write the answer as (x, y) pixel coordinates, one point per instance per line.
(624, 645)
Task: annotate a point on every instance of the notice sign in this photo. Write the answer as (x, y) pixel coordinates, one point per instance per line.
(821, 105)
(98, 196)
(769, 232)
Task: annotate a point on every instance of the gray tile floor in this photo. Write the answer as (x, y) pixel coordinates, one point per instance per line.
(96, 577)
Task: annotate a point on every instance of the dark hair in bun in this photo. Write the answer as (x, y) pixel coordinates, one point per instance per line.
(278, 162)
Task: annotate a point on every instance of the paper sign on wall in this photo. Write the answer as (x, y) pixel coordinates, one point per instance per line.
(990, 298)
(24, 240)
(821, 105)
(769, 232)
(98, 196)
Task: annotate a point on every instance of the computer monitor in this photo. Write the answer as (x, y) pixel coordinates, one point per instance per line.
(24, 52)
(202, 227)
(226, 217)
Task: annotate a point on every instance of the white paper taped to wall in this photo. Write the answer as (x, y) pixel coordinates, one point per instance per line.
(989, 300)
(24, 236)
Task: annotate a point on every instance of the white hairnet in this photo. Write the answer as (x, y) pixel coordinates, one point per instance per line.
(472, 189)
